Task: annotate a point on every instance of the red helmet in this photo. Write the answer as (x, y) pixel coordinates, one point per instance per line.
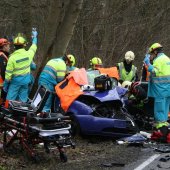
(133, 89)
(3, 42)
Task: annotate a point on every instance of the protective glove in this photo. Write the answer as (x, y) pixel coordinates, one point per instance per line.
(6, 86)
(34, 33)
(147, 59)
(34, 36)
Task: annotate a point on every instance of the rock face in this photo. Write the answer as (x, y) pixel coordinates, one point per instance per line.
(105, 28)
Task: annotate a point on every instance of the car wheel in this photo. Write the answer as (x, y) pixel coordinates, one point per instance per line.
(75, 126)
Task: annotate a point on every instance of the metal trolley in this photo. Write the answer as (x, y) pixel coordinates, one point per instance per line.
(26, 124)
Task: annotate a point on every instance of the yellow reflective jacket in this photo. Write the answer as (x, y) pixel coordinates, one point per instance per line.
(159, 84)
(19, 63)
(126, 76)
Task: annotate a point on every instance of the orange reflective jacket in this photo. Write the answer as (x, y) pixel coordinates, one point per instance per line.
(1, 80)
(69, 89)
(111, 72)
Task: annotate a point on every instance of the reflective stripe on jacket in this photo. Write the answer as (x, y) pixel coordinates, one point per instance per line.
(126, 76)
(19, 63)
(54, 71)
(159, 84)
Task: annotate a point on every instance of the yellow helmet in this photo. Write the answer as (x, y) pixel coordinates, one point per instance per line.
(154, 47)
(96, 62)
(19, 41)
(72, 60)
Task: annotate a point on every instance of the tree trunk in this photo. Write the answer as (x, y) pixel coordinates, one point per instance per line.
(65, 30)
(59, 28)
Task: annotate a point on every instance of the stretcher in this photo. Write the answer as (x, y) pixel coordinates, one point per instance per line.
(29, 126)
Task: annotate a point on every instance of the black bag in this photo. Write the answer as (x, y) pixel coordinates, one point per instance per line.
(103, 82)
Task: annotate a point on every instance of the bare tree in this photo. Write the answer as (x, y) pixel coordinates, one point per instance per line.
(59, 28)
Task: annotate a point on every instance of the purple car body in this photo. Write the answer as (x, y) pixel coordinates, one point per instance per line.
(102, 113)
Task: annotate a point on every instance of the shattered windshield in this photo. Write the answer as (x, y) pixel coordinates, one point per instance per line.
(91, 75)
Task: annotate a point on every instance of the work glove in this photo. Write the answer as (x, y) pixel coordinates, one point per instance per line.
(34, 36)
(6, 86)
(147, 62)
(34, 33)
(147, 59)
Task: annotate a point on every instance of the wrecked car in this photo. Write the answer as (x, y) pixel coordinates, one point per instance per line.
(100, 112)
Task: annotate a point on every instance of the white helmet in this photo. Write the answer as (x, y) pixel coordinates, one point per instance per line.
(126, 84)
(130, 56)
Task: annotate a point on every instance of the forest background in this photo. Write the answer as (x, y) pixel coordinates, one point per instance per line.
(88, 28)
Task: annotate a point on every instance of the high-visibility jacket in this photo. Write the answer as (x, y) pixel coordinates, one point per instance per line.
(69, 89)
(53, 72)
(124, 75)
(5, 59)
(18, 66)
(159, 84)
(111, 72)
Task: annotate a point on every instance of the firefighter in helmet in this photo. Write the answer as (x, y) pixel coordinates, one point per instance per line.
(127, 70)
(95, 63)
(17, 74)
(159, 85)
(71, 63)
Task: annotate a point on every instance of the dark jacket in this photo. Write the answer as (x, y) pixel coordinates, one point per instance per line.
(3, 64)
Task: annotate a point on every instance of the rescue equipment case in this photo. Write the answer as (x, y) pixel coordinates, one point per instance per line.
(103, 82)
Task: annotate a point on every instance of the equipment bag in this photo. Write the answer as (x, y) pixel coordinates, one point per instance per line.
(103, 82)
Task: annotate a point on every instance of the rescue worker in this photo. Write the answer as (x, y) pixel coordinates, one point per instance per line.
(127, 71)
(53, 73)
(159, 85)
(71, 66)
(95, 63)
(4, 53)
(17, 75)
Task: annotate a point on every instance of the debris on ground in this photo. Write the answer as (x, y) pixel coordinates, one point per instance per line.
(134, 139)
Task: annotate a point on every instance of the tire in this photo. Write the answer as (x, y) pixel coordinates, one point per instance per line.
(75, 127)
